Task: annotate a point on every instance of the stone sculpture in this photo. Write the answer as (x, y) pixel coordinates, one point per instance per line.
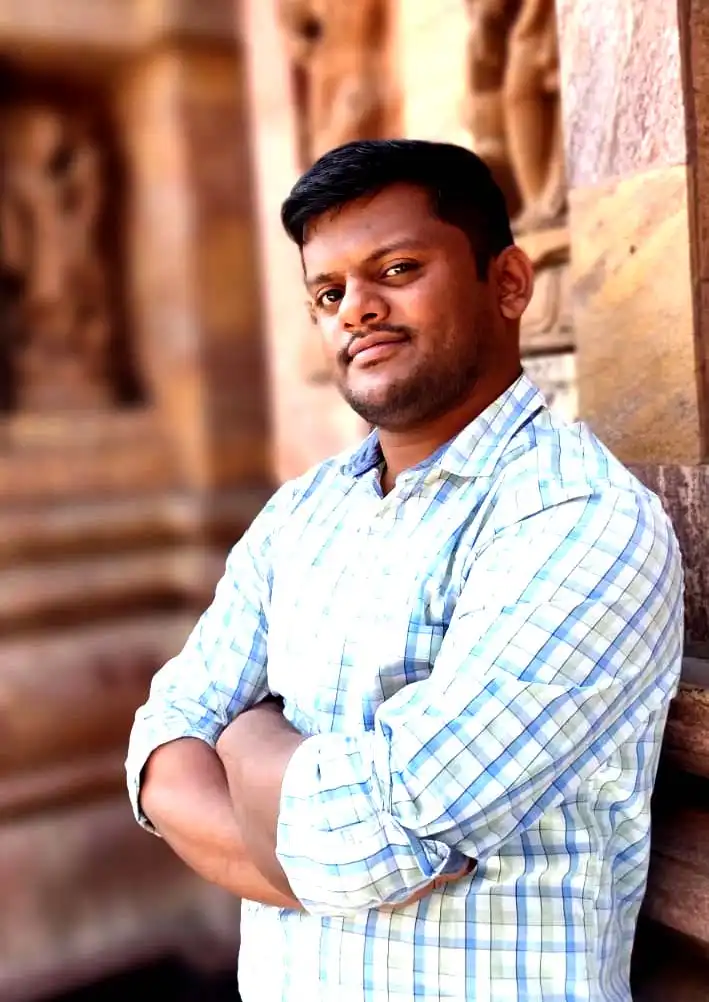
(55, 316)
(514, 108)
(335, 48)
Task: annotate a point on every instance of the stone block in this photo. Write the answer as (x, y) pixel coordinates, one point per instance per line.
(634, 316)
(684, 492)
(622, 88)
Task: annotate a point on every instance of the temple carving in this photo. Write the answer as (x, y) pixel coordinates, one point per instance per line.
(514, 104)
(59, 325)
(336, 53)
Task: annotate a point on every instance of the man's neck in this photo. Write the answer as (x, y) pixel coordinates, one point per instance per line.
(404, 449)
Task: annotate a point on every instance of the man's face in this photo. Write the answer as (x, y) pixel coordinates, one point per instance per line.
(396, 296)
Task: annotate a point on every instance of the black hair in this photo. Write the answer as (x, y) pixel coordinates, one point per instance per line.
(460, 186)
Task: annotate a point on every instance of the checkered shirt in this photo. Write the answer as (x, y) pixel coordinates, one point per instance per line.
(483, 661)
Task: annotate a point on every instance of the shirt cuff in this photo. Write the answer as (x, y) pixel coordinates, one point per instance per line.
(338, 844)
(144, 740)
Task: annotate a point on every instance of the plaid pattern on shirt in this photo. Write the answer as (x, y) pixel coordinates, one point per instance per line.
(483, 660)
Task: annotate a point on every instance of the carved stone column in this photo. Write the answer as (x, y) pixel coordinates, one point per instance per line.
(513, 112)
(192, 240)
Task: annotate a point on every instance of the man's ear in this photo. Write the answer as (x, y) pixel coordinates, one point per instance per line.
(514, 276)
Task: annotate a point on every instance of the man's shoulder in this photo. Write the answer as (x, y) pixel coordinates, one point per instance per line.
(552, 462)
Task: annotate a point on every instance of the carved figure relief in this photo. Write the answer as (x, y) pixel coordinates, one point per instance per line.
(514, 107)
(335, 48)
(514, 115)
(55, 314)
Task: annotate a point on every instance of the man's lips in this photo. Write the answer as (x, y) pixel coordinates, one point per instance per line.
(369, 346)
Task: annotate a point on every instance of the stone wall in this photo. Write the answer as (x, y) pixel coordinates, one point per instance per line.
(633, 296)
(133, 450)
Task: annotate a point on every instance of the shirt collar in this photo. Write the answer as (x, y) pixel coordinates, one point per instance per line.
(476, 450)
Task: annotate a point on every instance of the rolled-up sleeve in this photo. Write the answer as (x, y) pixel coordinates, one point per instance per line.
(221, 670)
(565, 642)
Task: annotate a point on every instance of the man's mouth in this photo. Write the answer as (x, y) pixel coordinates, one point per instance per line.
(375, 347)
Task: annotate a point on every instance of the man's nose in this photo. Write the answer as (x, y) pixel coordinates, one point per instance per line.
(362, 306)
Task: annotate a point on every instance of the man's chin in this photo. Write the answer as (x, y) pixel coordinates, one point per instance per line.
(384, 410)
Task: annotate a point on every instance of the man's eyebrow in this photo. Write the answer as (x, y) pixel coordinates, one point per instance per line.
(330, 276)
(324, 278)
(396, 245)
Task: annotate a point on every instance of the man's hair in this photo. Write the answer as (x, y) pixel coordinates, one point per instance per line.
(459, 184)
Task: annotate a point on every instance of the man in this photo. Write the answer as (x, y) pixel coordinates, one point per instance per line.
(473, 622)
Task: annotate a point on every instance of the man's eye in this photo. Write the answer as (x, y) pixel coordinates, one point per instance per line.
(329, 297)
(400, 268)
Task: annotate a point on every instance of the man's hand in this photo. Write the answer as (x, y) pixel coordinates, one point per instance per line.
(185, 796)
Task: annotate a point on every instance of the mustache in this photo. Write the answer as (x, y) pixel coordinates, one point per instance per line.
(343, 355)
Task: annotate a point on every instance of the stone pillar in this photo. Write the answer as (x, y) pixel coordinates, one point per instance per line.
(694, 33)
(631, 179)
(218, 161)
(194, 272)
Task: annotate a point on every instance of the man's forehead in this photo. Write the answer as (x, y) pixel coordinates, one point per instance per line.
(366, 227)
(383, 208)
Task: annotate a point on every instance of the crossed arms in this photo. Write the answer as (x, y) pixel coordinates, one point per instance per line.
(563, 645)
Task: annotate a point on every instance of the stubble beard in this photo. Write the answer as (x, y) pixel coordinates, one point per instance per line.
(431, 390)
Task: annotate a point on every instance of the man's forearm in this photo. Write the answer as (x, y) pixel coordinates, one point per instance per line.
(254, 767)
(185, 796)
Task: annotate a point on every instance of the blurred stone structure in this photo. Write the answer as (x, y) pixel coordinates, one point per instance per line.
(514, 115)
(133, 450)
(57, 308)
(337, 54)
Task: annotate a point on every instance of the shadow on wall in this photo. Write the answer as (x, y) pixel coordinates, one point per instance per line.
(658, 957)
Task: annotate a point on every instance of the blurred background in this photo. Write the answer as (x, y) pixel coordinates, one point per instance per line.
(159, 376)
